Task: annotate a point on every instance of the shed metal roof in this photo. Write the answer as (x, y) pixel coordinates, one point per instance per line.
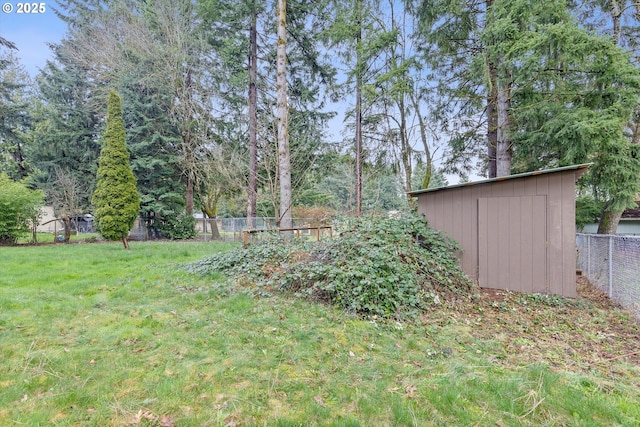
(503, 178)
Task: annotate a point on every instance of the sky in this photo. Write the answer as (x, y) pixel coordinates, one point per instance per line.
(31, 32)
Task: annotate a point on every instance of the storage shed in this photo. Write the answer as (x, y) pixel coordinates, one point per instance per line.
(516, 232)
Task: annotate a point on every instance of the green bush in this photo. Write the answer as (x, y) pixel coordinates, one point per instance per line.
(181, 226)
(19, 209)
(379, 266)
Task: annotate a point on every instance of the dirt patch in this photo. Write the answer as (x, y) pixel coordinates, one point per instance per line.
(584, 334)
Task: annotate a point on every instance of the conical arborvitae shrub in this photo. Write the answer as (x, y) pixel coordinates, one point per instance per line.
(116, 198)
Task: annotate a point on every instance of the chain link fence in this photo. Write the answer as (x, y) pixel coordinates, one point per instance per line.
(612, 263)
(227, 229)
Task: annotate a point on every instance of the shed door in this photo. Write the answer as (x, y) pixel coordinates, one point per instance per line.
(512, 243)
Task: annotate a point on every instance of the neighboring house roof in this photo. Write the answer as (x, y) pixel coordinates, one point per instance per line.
(632, 213)
(504, 178)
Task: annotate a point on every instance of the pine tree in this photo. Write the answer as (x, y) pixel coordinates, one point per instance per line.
(66, 126)
(116, 197)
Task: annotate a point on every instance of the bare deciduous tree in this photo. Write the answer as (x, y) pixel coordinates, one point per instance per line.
(65, 194)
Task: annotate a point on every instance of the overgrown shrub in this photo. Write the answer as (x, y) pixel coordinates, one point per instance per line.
(390, 267)
(177, 227)
(19, 209)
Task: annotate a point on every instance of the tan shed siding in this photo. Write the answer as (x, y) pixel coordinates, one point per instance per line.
(483, 242)
(527, 235)
(540, 249)
(514, 254)
(554, 237)
(447, 213)
(568, 208)
(458, 216)
(511, 246)
(470, 233)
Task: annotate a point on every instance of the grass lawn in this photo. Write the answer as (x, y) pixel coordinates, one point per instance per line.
(44, 238)
(93, 335)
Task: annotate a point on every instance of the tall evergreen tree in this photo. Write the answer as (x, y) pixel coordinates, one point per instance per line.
(66, 126)
(113, 41)
(151, 139)
(449, 38)
(243, 40)
(15, 117)
(116, 197)
(570, 94)
(234, 28)
(360, 38)
(284, 155)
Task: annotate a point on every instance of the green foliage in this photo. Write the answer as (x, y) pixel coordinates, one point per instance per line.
(334, 186)
(573, 94)
(438, 177)
(588, 211)
(175, 227)
(65, 125)
(15, 119)
(152, 142)
(19, 209)
(379, 266)
(116, 198)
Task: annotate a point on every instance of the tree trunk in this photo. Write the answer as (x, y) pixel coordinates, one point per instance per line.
(406, 146)
(67, 227)
(125, 241)
(492, 123)
(492, 114)
(503, 146)
(189, 196)
(188, 149)
(616, 14)
(423, 136)
(609, 221)
(358, 112)
(215, 232)
(284, 159)
(252, 189)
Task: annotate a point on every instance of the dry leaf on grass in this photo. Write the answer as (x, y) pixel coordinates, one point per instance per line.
(167, 421)
(410, 391)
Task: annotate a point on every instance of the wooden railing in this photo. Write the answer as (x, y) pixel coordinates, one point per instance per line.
(295, 230)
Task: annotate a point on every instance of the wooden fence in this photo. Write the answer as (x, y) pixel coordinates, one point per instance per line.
(295, 230)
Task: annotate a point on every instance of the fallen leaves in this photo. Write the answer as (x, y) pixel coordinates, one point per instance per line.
(577, 335)
(410, 391)
(154, 420)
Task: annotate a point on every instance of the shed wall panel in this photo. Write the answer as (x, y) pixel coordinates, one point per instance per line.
(514, 211)
(483, 242)
(469, 242)
(568, 209)
(554, 216)
(526, 251)
(504, 254)
(539, 247)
